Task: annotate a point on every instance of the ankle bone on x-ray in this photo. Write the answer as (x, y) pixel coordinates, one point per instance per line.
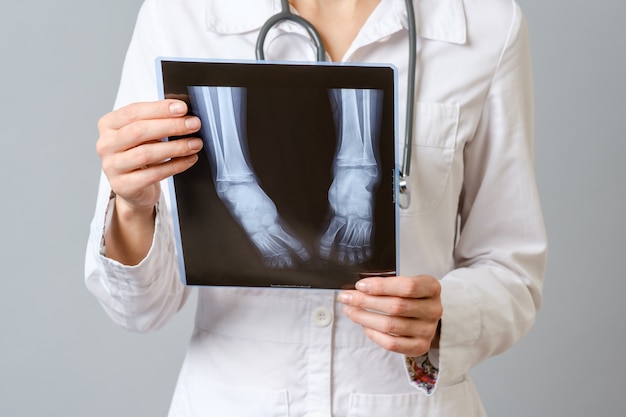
(356, 175)
(220, 109)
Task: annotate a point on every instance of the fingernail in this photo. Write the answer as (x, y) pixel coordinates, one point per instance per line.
(345, 297)
(192, 123)
(195, 144)
(362, 286)
(177, 108)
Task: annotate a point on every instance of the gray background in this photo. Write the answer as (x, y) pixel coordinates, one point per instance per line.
(60, 355)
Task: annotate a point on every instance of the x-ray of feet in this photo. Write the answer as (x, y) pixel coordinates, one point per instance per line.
(294, 187)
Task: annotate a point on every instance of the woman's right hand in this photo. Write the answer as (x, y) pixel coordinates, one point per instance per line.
(135, 159)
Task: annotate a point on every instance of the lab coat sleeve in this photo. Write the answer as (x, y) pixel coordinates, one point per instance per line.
(142, 297)
(492, 296)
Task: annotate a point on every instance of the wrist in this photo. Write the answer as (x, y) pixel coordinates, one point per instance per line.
(129, 236)
(126, 212)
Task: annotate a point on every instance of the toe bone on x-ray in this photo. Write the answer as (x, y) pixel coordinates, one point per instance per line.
(347, 239)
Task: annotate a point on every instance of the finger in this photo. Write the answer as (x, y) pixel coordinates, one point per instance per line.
(421, 308)
(421, 286)
(408, 336)
(143, 131)
(132, 183)
(163, 170)
(131, 113)
(149, 154)
(393, 325)
(408, 346)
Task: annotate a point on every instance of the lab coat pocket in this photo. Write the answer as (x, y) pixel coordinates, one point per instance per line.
(221, 400)
(458, 400)
(432, 153)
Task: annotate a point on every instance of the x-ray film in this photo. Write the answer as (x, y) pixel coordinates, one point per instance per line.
(295, 184)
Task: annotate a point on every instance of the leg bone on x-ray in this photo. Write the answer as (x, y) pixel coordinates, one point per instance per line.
(220, 109)
(356, 176)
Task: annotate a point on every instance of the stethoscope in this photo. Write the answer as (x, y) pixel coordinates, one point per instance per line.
(286, 15)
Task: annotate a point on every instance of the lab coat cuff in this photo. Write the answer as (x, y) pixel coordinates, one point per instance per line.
(423, 374)
(461, 324)
(140, 275)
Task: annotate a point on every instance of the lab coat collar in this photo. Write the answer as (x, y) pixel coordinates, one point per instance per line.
(440, 20)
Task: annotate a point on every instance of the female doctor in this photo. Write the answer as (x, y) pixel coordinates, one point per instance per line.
(472, 241)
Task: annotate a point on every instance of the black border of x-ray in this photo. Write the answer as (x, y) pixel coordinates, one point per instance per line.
(174, 77)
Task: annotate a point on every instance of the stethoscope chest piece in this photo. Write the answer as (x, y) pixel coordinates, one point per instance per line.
(404, 197)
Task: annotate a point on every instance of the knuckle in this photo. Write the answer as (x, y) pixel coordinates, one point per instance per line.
(175, 150)
(107, 166)
(103, 123)
(101, 147)
(430, 312)
(398, 306)
(177, 126)
(435, 287)
(145, 178)
(152, 176)
(357, 300)
(389, 326)
(142, 156)
(135, 130)
(411, 288)
(437, 311)
(129, 113)
(420, 347)
(392, 344)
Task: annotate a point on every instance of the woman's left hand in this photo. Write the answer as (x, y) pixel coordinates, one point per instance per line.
(401, 314)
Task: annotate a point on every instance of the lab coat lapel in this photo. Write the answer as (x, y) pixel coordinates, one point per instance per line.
(232, 17)
(440, 20)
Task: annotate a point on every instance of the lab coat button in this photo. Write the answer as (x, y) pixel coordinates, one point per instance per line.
(322, 317)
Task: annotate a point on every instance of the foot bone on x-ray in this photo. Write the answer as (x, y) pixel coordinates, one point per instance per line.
(221, 110)
(356, 176)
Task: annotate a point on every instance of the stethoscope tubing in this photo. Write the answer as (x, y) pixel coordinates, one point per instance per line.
(286, 15)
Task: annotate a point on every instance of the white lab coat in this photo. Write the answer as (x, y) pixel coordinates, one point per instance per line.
(268, 352)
